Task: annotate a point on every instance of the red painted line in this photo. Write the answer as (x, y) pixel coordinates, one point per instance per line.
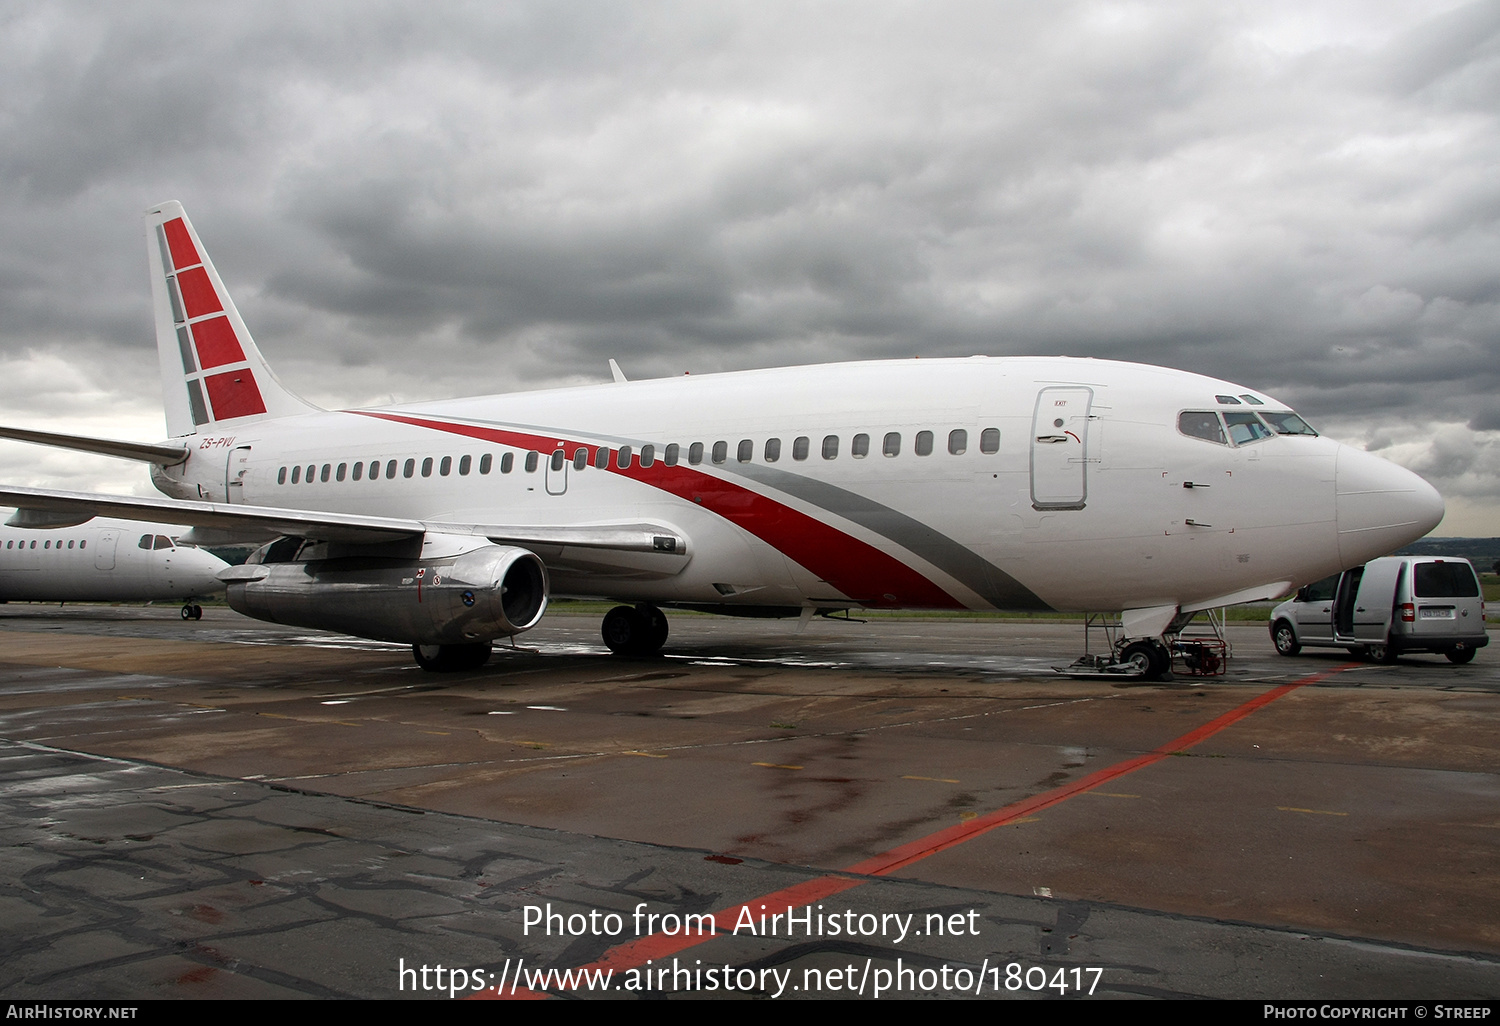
(634, 954)
(866, 574)
(889, 861)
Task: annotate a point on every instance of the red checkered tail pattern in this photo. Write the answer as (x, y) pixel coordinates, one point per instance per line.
(213, 376)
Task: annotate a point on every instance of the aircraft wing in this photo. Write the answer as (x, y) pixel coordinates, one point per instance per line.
(553, 543)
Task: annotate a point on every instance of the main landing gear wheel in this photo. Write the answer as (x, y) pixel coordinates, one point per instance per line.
(1285, 639)
(1149, 658)
(192, 612)
(451, 658)
(634, 630)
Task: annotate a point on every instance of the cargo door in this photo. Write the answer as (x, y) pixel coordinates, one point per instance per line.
(1445, 600)
(1060, 450)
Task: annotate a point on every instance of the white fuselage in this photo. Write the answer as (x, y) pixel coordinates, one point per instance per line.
(1076, 487)
(104, 561)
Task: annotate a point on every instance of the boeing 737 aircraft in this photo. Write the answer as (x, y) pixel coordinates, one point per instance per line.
(105, 561)
(981, 483)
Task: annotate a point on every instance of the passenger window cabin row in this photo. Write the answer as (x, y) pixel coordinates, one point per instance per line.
(147, 541)
(600, 457)
(46, 544)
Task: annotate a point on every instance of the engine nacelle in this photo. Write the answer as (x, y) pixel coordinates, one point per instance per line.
(439, 590)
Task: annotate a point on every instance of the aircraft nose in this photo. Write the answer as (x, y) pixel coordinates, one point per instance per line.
(1380, 506)
(203, 572)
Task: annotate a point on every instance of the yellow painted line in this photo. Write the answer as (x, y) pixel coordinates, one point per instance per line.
(645, 755)
(439, 733)
(1028, 819)
(1314, 812)
(936, 780)
(1112, 794)
(307, 719)
(962, 816)
(774, 765)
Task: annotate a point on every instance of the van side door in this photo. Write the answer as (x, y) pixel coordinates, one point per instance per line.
(1313, 611)
(1376, 600)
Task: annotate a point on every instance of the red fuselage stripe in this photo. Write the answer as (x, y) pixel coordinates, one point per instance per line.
(855, 568)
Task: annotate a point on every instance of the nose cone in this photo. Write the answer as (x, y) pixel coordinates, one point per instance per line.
(1381, 506)
(199, 572)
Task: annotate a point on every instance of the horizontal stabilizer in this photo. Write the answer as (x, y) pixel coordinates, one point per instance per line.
(666, 547)
(251, 519)
(164, 454)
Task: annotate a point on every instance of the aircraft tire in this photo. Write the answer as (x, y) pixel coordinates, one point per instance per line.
(451, 658)
(1150, 658)
(621, 629)
(187, 612)
(1285, 638)
(655, 635)
(1460, 655)
(197, 611)
(634, 630)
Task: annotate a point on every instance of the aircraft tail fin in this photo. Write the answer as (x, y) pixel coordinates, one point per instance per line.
(211, 371)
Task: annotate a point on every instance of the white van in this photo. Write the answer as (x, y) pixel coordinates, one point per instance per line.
(1386, 607)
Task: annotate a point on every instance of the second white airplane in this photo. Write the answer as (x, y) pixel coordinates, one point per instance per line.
(982, 483)
(105, 561)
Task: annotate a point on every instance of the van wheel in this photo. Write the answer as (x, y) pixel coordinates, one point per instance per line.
(1460, 655)
(1383, 654)
(1285, 639)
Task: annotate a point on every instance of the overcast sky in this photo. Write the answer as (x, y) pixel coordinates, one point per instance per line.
(416, 201)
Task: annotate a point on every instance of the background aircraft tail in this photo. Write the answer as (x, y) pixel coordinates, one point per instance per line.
(213, 376)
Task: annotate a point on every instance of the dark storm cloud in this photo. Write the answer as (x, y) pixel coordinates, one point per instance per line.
(470, 197)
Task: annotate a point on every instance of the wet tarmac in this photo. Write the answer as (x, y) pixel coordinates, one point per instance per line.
(230, 809)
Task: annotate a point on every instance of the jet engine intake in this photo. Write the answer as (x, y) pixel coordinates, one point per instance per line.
(474, 591)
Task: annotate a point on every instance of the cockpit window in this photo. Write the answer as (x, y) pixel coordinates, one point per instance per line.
(1202, 424)
(1245, 428)
(1252, 400)
(1287, 423)
(1227, 400)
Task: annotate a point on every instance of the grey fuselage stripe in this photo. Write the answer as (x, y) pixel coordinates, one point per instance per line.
(981, 576)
